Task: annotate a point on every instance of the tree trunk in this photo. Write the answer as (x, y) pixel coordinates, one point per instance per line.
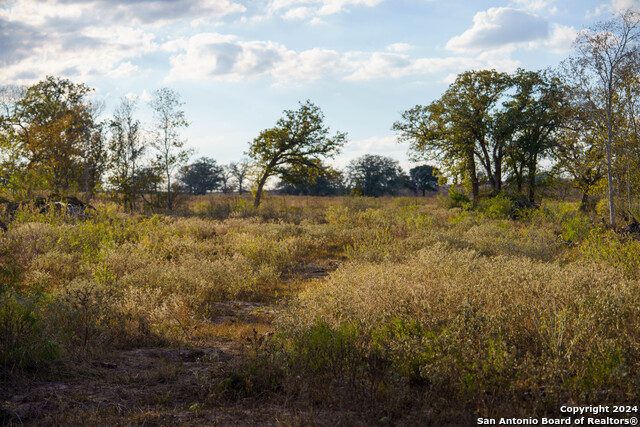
(584, 202)
(263, 180)
(133, 186)
(169, 201)
(473, 176)
(532, 178)
(612, 217)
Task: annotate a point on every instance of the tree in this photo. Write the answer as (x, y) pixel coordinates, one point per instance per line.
(96, 158)
(126, 148)
(299, 140)
(169, 119)
(606, 53)
(579, 149)
(201, 176)
(374, 176)
(51, 123)
(226, 179)
(239, 170)
(328, 183)
(423, 179)
(456, 130)
(530, 121)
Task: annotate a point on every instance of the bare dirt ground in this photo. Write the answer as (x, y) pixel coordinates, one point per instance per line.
(164, 386)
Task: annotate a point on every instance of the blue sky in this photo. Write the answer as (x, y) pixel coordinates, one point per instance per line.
(238, 64)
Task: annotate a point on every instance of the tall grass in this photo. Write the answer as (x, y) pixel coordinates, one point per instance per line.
(498, 316)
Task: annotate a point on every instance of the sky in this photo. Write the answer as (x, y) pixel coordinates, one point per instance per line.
(237, 64)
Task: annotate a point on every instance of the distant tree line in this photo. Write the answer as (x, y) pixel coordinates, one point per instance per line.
(489, 129)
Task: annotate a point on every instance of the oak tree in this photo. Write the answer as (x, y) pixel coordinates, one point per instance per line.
(298, 140)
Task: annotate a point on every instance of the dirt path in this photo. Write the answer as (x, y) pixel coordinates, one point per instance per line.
(145, 386)
(156, 386)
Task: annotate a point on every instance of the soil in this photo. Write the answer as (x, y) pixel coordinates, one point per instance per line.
(161, 386)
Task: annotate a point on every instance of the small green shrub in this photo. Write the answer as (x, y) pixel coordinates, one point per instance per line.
(457, 199)
(496, 207)
(24, 340)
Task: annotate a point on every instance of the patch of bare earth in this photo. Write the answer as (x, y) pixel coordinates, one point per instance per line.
(163, 386)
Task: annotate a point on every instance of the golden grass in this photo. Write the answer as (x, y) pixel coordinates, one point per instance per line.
(427, 302)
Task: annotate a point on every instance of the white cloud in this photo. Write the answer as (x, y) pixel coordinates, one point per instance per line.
(216, 56)
(298, 13)
(499, 59)
(535, 5)
(125, 69)
(89, 52)
(621, 5)
(499, 27)
(111, 12)
(144, 96)
(81, 38)
(314, 9)
(213, 56)
(560, 41)
(380, 65)
(399, 47)
(614, 6)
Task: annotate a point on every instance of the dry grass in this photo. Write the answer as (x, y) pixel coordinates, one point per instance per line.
(432, 313)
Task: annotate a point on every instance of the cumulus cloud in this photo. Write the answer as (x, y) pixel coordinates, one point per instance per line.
(399, 47)
(499, 27)
(112, 12)
(314, 9)
(80, 38)
(560, 41)
(33, 53)
(535, 5)
(223, 57)
(213, 56)
(621, 5)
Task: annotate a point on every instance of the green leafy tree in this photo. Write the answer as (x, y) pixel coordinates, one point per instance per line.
(201, 176)
(51, 124)
(423, 178)
(328, 183)
(374, 176)
(530, 122)
(126, 148)
(457, 129)
(169, 119)
(299, 140)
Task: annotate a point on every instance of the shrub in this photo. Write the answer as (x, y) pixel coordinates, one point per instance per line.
(457, 199)
(497, 207)
(24, 340)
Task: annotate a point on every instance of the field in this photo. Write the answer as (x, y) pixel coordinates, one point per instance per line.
(315, 311)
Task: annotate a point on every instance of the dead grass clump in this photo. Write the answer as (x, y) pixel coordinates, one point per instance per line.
(471, 325)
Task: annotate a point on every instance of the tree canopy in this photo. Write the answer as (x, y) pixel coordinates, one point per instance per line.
(373, 175)
(299, 141)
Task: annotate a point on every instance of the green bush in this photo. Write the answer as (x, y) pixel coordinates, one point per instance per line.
(457, 199)
(496, 207)
(24, 340)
